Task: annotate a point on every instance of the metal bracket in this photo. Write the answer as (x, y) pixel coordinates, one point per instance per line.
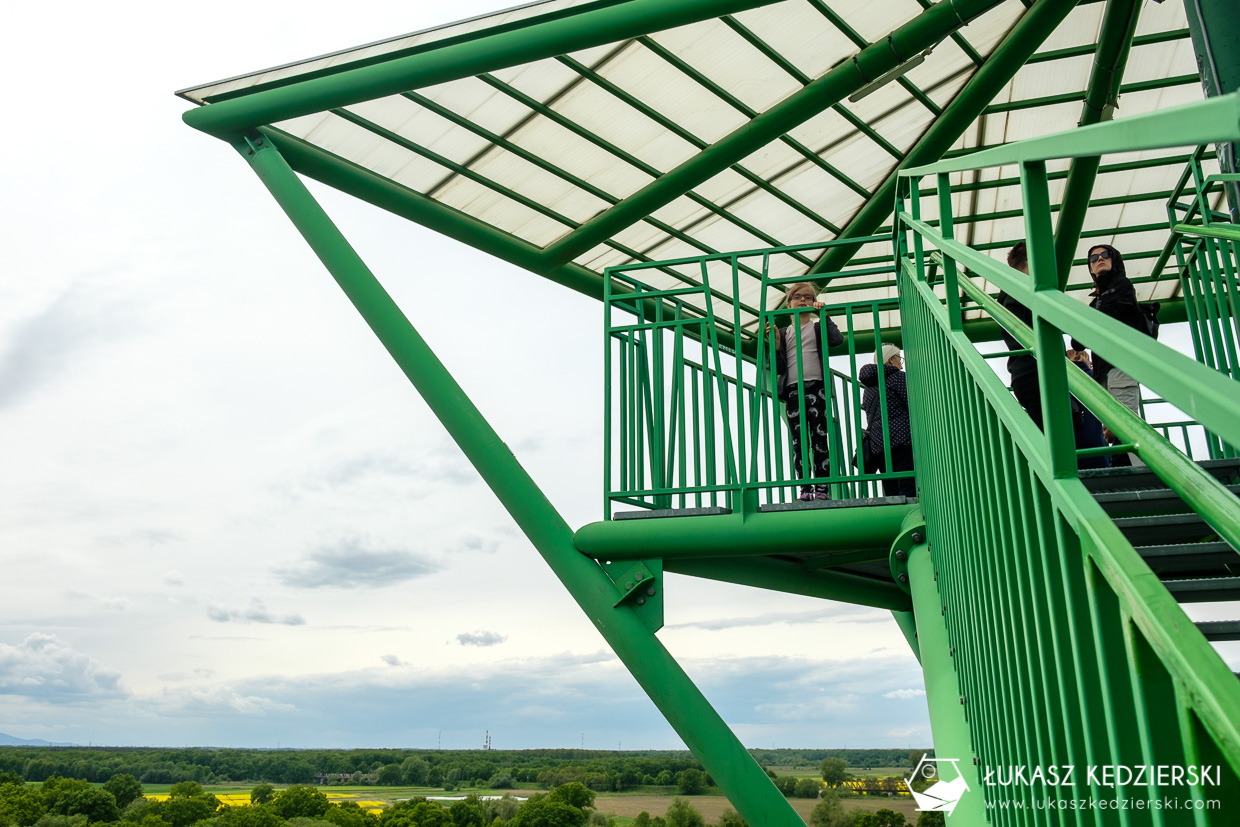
(911, 536)
(638, 586)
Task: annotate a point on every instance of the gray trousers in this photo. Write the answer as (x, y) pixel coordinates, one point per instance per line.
(1128, 392)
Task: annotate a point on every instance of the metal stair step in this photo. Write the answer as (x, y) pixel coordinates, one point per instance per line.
(1166, 528)
(1216, 630)
(1181, 558)
(1141, 477)
(1205, 589)
(1145, 501)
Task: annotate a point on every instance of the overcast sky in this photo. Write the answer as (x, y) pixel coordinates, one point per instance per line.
(226, 518)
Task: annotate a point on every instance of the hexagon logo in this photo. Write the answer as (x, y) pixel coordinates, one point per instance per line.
(942, 795)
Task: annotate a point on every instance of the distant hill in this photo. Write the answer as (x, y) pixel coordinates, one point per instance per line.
(10, 741)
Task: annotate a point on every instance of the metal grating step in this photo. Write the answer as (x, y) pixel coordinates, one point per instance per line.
(1217, 630)
(1188, 558)
(1145, 501)
(1205, 590)
(1167, 528)
(1141, 477)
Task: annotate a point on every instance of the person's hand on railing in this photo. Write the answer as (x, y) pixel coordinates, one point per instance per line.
(1080, 356)
(772, 330)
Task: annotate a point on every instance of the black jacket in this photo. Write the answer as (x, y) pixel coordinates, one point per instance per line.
(1115, 296)
(788, 383)
(1022, 366)
(897, 406)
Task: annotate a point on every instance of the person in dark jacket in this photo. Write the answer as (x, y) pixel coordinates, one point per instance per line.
(1115, 296)
(1023, 368)
(814, 433)
(897, 424)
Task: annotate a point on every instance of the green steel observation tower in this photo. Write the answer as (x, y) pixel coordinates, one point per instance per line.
(683, 162)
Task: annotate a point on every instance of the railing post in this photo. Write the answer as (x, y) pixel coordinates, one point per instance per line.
(1047, 339)
(951, 277)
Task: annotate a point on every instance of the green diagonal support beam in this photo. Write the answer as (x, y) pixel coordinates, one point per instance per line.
(594, 27)
(1002, 65)
(1119, 24)
(918, 34)
(658, 673)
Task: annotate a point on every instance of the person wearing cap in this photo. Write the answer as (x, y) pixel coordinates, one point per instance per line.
(897, 424)
(1115, 296)
(809, 378)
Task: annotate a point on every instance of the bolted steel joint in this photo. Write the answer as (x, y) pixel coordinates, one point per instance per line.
(903, 577)
(917, 535)
(901, 554)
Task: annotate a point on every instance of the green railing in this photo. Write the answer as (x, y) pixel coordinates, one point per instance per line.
(690, 420)
(1204, 245)
(1066, 649)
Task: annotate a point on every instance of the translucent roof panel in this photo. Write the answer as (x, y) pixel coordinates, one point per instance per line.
(610, 153)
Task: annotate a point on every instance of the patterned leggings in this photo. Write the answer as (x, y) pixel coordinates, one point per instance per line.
(816, 429)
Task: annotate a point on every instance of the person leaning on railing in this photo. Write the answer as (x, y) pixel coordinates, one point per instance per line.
(1023, 368)
(897, 422)
(1115, 296)
(806, 327)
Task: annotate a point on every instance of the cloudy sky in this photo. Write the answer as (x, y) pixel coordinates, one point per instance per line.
(225, 517)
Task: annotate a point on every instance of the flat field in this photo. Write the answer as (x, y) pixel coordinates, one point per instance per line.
(712, 806)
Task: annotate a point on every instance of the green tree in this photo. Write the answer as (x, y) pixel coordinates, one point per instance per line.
(300, 801)
(731, 818)
(95, 803)
(124, 788)
(253, 816)
(545, 811)
(390, 775)
(502, 809)
(350, 814)
(691, 782)
(468, 813)
(414, 771)
(573, 794)
(664, 779)
(882, 818)
(20, 805)
(834, 771)
(10, 777)
(642, 819)
(806, 788)
(932, 820)
(57, 820)
(829, 812)
(183, 811)
(683, 814)
(186, 789)
(262, 794)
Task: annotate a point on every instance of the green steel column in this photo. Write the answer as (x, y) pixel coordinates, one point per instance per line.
(1002, 65)
(1215, 28)
(686, 709)
(943, 695)
(1119, 24)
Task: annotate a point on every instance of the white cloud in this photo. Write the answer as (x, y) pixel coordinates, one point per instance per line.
(44, 666)
(350, 564)
(256, 612)
(905, 694)
(480, 638)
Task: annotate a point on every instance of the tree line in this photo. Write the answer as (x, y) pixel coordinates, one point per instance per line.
(496, 769)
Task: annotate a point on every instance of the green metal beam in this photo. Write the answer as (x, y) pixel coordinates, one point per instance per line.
(1004, 62)
(606, 146)
(594, 27)
(1091, 48)
(793, 578)
(736, 535)
(658, 673)
(1073, 97)
(687, 136)
(918, 34)
(1119, 24)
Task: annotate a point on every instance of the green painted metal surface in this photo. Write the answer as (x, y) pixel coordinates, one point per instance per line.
(620, 623)
(1067, 648)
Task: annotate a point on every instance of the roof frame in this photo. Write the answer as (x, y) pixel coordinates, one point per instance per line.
(928, 28)
(1025, 36)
